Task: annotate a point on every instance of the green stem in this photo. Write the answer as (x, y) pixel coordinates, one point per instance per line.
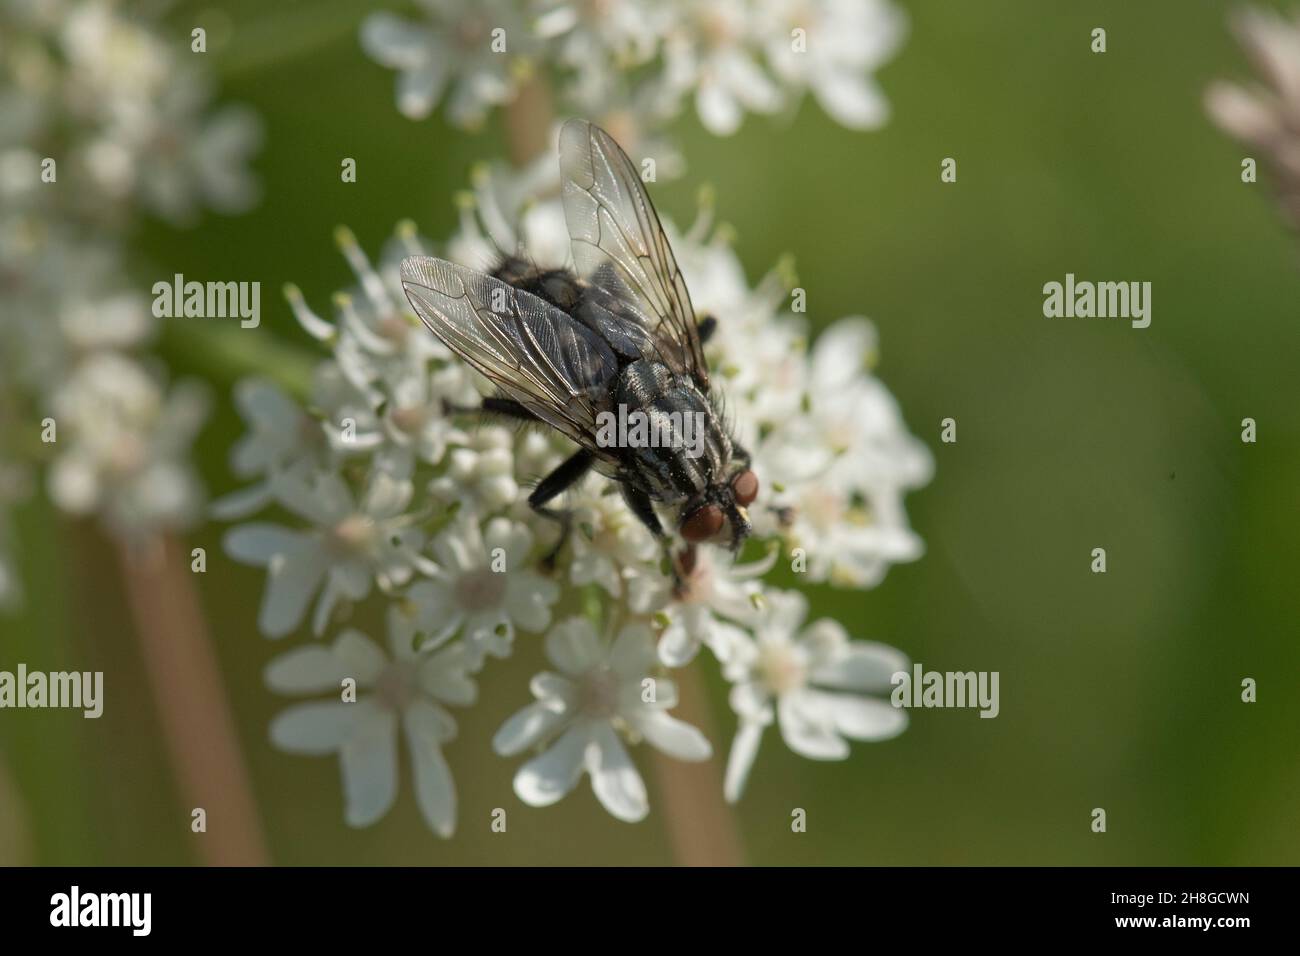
(224, 353)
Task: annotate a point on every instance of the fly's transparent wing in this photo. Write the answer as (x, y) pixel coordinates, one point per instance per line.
(620, 246)
(537, 355)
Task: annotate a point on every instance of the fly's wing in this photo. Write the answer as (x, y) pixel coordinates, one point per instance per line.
(536, 354)
(619, 246)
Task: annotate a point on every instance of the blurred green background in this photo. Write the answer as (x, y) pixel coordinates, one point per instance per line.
(1119, 691)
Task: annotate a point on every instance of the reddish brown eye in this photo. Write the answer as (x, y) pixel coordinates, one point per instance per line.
(702, 524)
(745, 487)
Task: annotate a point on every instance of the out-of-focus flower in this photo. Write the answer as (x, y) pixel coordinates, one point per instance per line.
(634, 65)
(404, 689)
(103, 122)
(832, 47)
(1263, 114)
(815, 683)
(603, 689)
(124, 451)
(712, 55)
(471, 51)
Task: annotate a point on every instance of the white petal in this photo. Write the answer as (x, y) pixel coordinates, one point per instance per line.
(862, 666)
(305, 670)
(528, 600)
(549, 776)
(435, 791)
(752, 701)
(614, 778)
(1241, 113)
(394, 41)
(718, 109)
(842, 351)
(368, 759)
(361, 656)
(864, 718)
(525, 728)
(633, 653)
(316, 728)
(677, 645)
(241, 502)
(675, 737)
(258, 543)
(852, 101)
(443, 675)
(808, 730)
(743, 751)
(291, 581)
(573, 646)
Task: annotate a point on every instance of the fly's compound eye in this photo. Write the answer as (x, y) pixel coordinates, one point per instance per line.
(745, 487)
(702, 524)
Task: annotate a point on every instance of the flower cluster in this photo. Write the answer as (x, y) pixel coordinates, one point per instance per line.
(1263, 115)
(100, 121)
(398, 494)
(632, 65)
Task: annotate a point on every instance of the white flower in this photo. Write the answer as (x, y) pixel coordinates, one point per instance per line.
(123, 446)
(843, 463)
(146, 137)
(104, 91)
(712, 53)
(814, 682)
(607, 538)
(350, 546)
(602, 689)
(1263, 114)
(280, 433)
(404, 688)
(843, 41)
(601, 42)
(376, 337)
(413, 419)
(482, 587)
(459, 53)
(714, 596)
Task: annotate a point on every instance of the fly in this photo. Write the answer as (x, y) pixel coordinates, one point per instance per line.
(617, 335)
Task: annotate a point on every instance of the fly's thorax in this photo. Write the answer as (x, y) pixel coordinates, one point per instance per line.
(560, 287)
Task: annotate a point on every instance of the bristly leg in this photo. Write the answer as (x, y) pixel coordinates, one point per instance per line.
(506, 407)
(681, 565)
(642, 507)
(565, 475)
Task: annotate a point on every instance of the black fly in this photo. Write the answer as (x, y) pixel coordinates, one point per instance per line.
(618, 333)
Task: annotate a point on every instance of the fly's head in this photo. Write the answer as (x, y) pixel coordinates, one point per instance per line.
(717, 515)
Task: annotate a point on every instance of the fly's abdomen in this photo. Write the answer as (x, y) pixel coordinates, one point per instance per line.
(669, 434)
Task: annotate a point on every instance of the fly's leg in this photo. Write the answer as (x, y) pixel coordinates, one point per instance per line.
(506, 407)
(681, 564)
(565, 475)
(706, 327)
(640, 504)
